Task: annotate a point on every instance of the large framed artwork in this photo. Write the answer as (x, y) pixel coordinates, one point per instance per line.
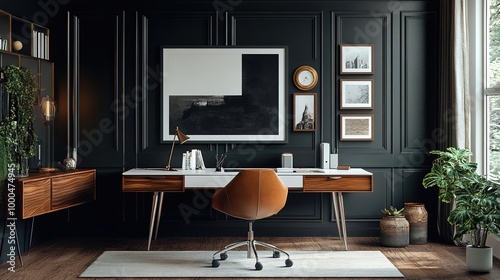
(356, 59)
(224, 94)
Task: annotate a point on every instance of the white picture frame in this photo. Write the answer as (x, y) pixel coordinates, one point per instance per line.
(356, 59)
(224, 94)
(356, 93)
(356, 127)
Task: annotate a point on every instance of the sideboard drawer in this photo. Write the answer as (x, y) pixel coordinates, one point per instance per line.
(72, 190)
(35, 198)
(153, 183)
(338, 183)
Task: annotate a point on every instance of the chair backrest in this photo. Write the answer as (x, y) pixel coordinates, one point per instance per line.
(252, 194)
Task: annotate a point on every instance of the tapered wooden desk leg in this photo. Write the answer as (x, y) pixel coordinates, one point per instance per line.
(335, 208)
(342, 214)
(152, 219)
(160, 203)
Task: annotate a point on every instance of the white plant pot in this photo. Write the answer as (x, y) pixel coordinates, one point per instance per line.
(479, 259)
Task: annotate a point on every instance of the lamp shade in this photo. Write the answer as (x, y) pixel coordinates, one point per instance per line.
(182, 139)
(48, 109)
(181, 136)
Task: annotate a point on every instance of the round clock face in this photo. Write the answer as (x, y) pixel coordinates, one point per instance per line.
(305, 77)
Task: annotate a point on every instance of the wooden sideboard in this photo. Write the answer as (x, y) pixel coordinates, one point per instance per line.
(45, 192)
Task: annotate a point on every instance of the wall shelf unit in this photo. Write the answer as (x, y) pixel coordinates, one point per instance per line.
(20, 36)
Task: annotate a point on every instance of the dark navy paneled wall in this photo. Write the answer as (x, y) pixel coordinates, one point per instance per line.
(114, 77)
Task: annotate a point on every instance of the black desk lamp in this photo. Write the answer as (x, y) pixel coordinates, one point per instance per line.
(182, 139)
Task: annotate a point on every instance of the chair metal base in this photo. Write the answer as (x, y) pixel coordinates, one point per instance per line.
(251, 250)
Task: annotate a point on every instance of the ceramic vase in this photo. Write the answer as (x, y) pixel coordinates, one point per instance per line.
(479, 259)
(417, 216)
(394, 231)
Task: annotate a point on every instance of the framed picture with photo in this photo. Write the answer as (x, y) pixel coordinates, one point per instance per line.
(355, 127)
(356, 94)
(356, 59)
(304, 112)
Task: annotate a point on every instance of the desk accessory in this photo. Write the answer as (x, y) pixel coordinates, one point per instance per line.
(182, 139)
(343, 167)
(324, 155)
(287, 160)
(219, 161)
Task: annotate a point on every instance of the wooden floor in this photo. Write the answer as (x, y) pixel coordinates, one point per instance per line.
(67, 258)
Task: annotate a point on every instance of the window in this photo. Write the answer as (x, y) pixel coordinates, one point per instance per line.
(492, 91)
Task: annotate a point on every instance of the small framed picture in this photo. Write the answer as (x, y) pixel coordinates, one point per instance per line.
(356, 59)
(356, 94)
(304, 111)
(356, 127)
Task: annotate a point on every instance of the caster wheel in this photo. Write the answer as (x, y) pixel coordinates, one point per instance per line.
(276, 254)
(288, 263)
(215, 263)
(223, 256)
(258, 266)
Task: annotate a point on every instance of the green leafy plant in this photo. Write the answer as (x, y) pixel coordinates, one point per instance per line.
(16, 130)
(392, 211)
(476, 199)
(450, 171)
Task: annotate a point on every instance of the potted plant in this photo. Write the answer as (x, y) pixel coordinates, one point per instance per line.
(476, 203)
(394, 228)
(16, 130)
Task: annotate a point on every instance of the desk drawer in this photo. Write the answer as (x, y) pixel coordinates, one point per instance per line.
(338, 184)
(153, 183)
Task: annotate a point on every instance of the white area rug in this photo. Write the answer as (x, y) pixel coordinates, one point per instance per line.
(199, 264)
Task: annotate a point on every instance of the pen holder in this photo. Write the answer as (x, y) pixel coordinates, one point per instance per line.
(219, 161)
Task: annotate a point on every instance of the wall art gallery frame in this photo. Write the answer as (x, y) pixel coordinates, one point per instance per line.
(356, 59)
(305, 110)
(356, 94)
(225, 94)
(356, 127)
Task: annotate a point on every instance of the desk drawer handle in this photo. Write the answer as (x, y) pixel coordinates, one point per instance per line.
(156, 177)
(335, 178)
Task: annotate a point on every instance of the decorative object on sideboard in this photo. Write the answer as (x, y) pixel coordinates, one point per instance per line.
(19, 139)
(476, 199)
(417, 216)
(182, 139)
(394, 228)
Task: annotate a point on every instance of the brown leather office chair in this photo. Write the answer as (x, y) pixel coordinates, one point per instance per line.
(252, 195)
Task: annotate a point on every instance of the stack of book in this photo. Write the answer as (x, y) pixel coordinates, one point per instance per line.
(3, 44)
(192, 160)
(40, 45)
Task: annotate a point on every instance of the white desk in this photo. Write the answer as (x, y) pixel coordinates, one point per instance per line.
(158, 181)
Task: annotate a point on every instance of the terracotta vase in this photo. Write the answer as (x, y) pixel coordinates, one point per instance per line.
(416, 215)
(394, 231)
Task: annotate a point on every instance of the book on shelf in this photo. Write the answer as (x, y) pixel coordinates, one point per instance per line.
(192, 160)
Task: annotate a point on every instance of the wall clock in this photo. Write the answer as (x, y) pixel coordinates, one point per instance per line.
(305, 77)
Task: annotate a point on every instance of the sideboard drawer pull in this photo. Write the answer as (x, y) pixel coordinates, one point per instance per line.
(335, 178)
